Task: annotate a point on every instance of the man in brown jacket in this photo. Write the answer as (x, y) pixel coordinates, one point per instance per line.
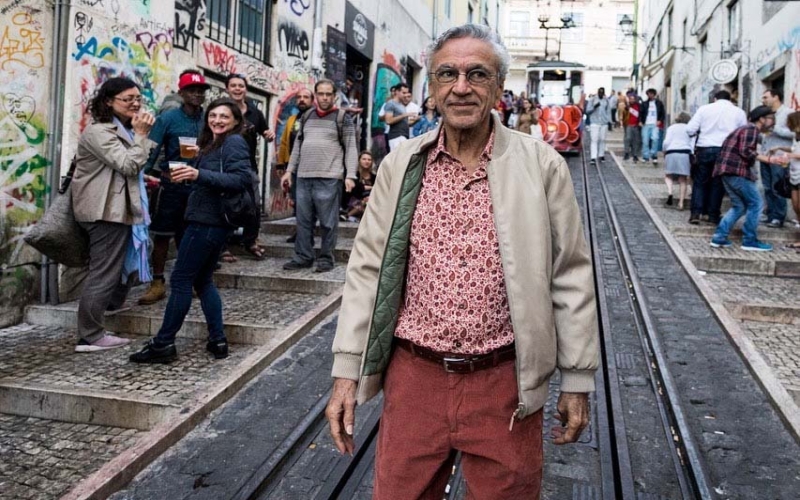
(468, 285)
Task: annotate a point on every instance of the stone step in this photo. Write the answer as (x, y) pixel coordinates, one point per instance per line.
(276, 246)
(268, 275)
(250, 316)
(759, 298)
(780, 262)
(285, 227)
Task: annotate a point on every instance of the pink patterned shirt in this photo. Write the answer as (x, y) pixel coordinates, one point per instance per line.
(455, 300)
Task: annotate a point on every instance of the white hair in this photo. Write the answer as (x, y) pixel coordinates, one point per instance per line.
(478, 32)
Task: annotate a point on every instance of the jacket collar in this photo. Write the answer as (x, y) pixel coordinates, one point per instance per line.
(502, 135)
(118, 131)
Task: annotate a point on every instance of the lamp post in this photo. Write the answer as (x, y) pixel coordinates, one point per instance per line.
(566, 23)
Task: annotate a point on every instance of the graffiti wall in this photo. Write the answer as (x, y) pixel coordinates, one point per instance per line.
(24, 70)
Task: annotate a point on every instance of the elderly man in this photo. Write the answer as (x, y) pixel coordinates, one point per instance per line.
(463, 336)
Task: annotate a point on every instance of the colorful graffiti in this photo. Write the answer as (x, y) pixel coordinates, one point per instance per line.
(561, 127)
(23, 168)
(22, 43)
(385, 77)
(273, 80)
(146, 61)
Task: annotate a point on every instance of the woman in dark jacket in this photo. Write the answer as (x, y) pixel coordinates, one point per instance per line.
(223, 166)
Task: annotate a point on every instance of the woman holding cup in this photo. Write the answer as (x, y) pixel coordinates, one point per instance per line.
(222, 166)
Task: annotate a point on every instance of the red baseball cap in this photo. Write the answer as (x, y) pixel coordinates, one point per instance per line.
(192, 80)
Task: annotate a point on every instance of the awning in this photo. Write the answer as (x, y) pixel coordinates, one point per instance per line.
(664, 61)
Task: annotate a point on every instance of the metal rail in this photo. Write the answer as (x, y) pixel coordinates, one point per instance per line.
(689, 465)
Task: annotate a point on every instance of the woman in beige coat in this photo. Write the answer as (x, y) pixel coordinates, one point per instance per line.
(107, 201)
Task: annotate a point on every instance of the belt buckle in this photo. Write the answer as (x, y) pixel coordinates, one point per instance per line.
(446, 366)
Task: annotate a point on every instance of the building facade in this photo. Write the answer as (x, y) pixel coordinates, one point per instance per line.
(54, 56)
(594, 39)
(681, 48)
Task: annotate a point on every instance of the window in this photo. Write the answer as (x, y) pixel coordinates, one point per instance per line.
(485, 12)
(685, 32)
(470, 14)
(703, 56)
(243, 25)
(574, 34)
(658, 41)
(519, 24)
(448, 8)
(733, 23)
(669, 29)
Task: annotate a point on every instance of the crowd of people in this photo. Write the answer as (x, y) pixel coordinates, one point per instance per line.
(717, 150)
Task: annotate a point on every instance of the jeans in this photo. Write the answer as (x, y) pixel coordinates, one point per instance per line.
(745, 199)
(633, 141)
(598, 132)
(707, 191)
(776, 204)
(197, 260)
(317, 198)
(650, 135)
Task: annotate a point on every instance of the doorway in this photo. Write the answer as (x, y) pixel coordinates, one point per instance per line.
(358, 71)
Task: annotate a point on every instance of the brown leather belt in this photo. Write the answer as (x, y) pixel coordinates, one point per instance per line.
(459, 363)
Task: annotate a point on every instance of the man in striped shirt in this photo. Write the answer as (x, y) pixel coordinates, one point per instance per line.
(322, 155)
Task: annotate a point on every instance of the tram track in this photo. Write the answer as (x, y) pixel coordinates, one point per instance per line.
(690, 470)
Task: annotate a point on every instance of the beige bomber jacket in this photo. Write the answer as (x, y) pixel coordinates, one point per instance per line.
(547, 267)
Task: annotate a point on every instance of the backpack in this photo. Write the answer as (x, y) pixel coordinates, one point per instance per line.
(340, 114)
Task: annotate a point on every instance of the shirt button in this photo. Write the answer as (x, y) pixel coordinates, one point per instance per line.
(463, 263)
(462, 306)
(467, 188)
(457, 344)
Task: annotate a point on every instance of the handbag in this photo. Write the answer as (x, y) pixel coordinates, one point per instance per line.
(238, 209)
(59, 236)
(783, 187)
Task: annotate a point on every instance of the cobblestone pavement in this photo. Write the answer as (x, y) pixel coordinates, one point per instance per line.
(778, 342)
(273, 267)
(44, 355)
(42, 459)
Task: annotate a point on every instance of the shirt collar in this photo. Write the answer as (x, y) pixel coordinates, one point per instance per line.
(486, 155)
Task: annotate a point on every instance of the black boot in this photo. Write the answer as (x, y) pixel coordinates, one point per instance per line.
(151, 353)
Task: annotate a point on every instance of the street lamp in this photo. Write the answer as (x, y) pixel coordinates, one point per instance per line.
(566, 23)
(626, 25)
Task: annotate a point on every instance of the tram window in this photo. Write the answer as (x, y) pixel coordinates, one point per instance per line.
(555, 76)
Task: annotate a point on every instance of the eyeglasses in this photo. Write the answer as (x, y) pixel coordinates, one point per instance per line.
(129, 100)
(475, 76)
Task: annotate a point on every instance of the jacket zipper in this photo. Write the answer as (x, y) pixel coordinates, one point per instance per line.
(520, 405)
(520, 409)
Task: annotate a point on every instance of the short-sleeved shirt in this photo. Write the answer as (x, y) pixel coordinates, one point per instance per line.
(399, 129)
(456, 299)
(168, 128)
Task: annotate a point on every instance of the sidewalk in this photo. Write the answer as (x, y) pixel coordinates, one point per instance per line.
(759, 291)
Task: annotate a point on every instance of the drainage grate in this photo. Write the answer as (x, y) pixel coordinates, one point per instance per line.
(625, 361)
(582, 491)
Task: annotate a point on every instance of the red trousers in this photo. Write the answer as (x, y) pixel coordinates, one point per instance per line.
(429, 413)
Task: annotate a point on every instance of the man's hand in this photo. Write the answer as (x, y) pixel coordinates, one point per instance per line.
(573, 413)
(269, 135)
(349, 185)
(341, 414)
(286, 179)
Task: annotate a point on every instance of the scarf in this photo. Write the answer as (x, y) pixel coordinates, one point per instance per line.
(136, 257)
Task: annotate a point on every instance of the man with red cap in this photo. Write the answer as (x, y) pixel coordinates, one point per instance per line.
(168, 203)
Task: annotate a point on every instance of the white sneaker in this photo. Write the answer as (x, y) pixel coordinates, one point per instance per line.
(104, 343)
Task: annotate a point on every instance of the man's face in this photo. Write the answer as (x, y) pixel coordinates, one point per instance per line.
(193, 95)
(766, 123)
(325, 96)
(601, 92)
(465, 105)
(768, 99)
(304, 100)
(651, 96)
(632, 99)
(405, 95)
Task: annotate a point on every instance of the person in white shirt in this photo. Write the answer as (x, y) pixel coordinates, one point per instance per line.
(710, 125)
(779, 137)
(678, 149)
(598, 113)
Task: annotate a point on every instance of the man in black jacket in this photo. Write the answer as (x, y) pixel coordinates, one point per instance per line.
(651, 116)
